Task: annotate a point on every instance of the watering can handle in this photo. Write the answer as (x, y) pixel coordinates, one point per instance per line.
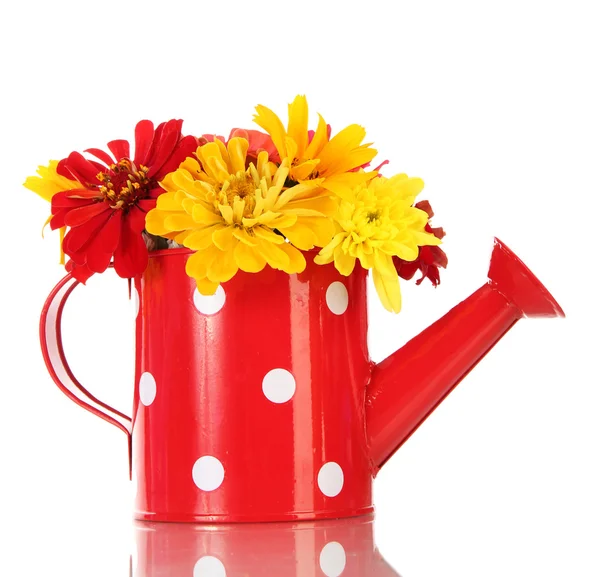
(56, 362)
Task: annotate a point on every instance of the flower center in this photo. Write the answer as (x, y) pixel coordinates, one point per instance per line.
(241, 186)
(124, 184)
(373, 216)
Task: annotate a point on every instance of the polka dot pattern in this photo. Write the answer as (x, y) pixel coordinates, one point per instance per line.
(331, 479)
(135, 297)
(208, 473)
(147, 389)
(332, 559)
(209, 567)
(337, 298)
(279, 386)
(210, 305)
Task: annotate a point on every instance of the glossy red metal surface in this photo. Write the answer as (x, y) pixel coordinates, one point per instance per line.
(308, 549)
(250, 404)
(261, 403)
(407, 386)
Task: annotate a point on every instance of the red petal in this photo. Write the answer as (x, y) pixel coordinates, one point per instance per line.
(58, 219)
(438, 257)
(185, 147)
(81, 215)
(144, 135)
(136, 219)
(63, 170)
(131, 256)
(63, 200)
(83, 193)
(101, 249)
(147, 204)
(81, 272)
(119, 148)
(83, 170)
(101, 155)
(425, 207)
(164, 149)
(77, 237)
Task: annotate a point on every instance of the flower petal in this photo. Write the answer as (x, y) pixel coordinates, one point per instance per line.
(144, 135)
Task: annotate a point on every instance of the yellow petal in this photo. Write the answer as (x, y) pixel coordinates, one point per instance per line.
(212, 161)
(318, 141)
(270, 122)
(223, 238)
(155, 222)
(237, 148)
(298, 124)
(388, 290)
(206, 287)
(267, 234)
(197, 264)
(199, 239)
(300, 235)
(223, 267)
(49, 182)
(275, 256)
(341, 147)
(179, 221)
(248, 258)
(297, 262)
(344, 262)
(343, 184)
(302, 171)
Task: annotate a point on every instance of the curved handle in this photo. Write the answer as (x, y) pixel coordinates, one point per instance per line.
(58, 367)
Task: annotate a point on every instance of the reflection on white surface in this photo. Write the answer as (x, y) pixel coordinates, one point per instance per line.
(340, 548)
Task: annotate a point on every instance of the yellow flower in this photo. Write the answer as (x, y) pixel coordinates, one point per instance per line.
(46, 185)
(323, 162)
(377, 224)
(239, 217)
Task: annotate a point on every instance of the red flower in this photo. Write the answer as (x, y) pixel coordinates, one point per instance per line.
(430, 258)
(106, 216)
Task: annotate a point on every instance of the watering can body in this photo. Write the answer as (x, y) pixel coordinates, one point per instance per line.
(261, 403)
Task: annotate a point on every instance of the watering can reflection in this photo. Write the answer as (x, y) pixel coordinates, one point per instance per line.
(331, 548)
(261, 403)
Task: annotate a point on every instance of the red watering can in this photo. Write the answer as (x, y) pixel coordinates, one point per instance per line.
(260, 403)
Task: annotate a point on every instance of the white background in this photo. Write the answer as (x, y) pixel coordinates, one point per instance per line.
(496, 105)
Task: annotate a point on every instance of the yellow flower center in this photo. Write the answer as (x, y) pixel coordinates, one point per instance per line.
(373, 216)
(239, 187)
(124, 184)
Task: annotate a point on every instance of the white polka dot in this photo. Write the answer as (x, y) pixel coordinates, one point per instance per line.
(332, 559)
(331, 479)
(337, 298)
(147, 389)
(208, 473)
(209, 305)
(135, 298)
(209, 567)
(279, 385)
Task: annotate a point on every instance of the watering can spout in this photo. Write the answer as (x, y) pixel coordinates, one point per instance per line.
(407, 386)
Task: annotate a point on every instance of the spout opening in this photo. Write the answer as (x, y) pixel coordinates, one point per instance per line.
(511, 276)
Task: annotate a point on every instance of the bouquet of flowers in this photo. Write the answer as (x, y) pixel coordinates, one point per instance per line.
(254, 199)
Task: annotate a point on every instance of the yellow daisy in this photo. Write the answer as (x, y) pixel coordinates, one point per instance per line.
(378, 223)
(329, 163)
(238, 216)
(47, 184)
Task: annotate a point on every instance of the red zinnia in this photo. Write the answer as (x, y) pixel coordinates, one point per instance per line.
(106, 216)
(430, 258)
